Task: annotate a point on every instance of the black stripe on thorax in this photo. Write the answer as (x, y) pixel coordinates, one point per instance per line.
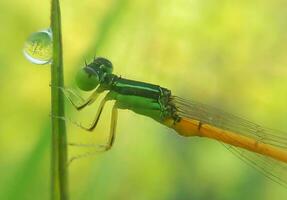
(137, 88)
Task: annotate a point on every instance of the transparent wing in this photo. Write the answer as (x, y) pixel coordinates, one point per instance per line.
(271, 168)
(227, 121)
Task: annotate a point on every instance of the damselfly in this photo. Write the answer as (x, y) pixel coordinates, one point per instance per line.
(263, 148)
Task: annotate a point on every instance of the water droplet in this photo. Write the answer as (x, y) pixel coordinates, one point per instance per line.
(38, 47)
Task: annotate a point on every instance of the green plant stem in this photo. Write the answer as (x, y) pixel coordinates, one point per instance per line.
(59, 171)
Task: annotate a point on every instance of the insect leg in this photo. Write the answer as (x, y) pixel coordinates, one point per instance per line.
(93, 125)
(84, 102)
(85, 155)
(70, 94)
(113, 127)
(99, 148)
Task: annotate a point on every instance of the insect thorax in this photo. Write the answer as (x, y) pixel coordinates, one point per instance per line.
(143, 98)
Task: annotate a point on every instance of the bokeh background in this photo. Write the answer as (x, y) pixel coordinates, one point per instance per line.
(228, 54)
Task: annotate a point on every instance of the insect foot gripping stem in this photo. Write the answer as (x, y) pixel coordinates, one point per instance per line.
(70, 94)
(78, 124)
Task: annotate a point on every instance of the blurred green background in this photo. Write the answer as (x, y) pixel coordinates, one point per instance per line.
(231, 55)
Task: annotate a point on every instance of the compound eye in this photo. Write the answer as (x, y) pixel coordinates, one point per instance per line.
(87, 79)
(104, 64)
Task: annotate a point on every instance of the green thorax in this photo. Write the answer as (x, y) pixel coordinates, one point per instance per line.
(142, 98)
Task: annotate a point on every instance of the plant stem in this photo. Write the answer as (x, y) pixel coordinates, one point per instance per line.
(59, 171)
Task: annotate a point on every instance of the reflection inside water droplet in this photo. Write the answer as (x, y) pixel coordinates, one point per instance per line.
(38, 47)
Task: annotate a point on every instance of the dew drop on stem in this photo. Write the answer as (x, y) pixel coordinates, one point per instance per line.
(38, 47)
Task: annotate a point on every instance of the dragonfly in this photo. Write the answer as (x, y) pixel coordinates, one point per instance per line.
(263, 148)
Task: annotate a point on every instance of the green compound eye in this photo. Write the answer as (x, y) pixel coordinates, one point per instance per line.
(87, 79)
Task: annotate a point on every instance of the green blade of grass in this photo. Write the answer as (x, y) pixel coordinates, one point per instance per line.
(59, 172)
